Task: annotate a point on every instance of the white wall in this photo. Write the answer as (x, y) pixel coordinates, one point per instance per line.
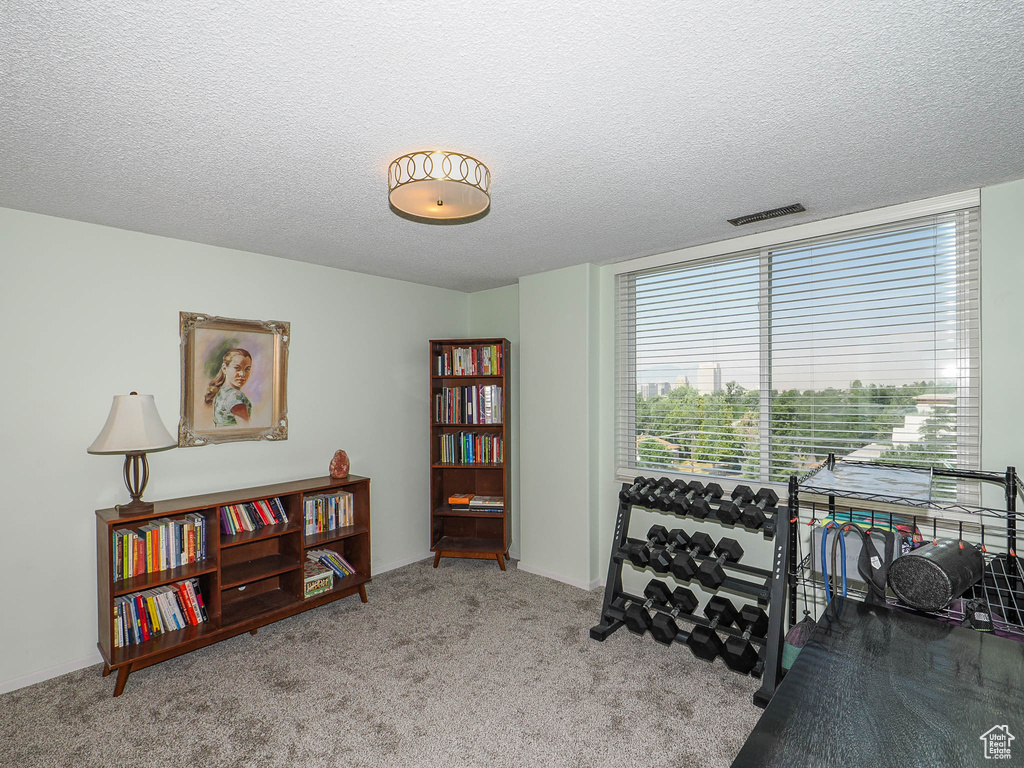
(559, 390)
(495, 314)
(1002, 322)
(92, 311)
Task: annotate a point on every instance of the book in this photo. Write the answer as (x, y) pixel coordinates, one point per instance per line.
(318, 578)
(487, 501)
(460, 498)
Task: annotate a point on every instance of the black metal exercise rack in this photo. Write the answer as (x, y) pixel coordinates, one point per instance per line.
(927, 501)
(766, 587)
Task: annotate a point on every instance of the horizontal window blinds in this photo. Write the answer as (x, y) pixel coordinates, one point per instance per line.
(758, 364)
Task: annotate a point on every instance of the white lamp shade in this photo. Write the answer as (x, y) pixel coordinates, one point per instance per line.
(133, 426)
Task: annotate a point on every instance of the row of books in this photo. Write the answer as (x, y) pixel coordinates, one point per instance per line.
(326, 512)
(159, 545)
(472, 361)
(145, 615)
(471, 448)
(328, 557)
(476, 501)
(251, 516)
(468, 405)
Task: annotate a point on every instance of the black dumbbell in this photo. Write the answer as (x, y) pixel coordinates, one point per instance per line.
(704, 641)
(650, 499)
(738, 652)
(681, 495)
(683, 566)
(711, 573)
(699, 506)
(661, 558)
(634, 497)
(627, 493)
(672, 499)
(640, 554)
(729, 511)
(663, 626)
(638, 619)
(755, 514)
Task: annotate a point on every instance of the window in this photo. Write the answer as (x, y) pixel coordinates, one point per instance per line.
(758, 364)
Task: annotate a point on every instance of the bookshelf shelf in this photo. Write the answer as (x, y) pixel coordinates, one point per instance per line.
(158, 579)
(246, 537)
(161, 644)
(447, 511)
(254, 570)
(263, 604)
(317, 540)
(477, 391)
(247, 580)
(468, 546)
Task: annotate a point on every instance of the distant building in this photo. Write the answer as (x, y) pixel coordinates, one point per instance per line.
(682, 381)
(709, 378)
(654, 389)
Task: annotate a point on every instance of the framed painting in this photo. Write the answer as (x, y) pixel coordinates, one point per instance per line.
(234, 377)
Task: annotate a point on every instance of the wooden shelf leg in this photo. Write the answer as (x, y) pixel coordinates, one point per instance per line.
(501, 561)
(253, 631)
(437, 558)
(362, 592)
(122, 678)
(106, 669)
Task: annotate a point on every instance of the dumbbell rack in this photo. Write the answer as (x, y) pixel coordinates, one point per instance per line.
(767, 587)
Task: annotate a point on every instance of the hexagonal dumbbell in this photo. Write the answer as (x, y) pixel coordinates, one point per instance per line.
(673, 499)
(638, 617)
(729, 511)
(663, 626)
(738, 652)
(700, 506)
(683, 566)
(711, 573)
(704, 641)
(628, 492)
(650, 499)
(640, 554)
(756, 513)
(661, 557)
(635, 493)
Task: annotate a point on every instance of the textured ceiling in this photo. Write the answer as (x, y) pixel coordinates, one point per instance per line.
(612, 130)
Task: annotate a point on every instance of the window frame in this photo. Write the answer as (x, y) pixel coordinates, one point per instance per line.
(763, 244)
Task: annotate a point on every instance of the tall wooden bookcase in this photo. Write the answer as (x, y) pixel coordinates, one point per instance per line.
(469, 407)
(247, 579)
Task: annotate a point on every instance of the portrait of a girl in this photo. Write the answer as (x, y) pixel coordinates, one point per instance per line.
(231, 406)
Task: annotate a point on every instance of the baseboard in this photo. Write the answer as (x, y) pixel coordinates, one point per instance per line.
(45, 674)
(513, 554)
(385, 567)
(589, 586)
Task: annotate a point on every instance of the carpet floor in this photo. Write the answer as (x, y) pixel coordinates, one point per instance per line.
(460, 666)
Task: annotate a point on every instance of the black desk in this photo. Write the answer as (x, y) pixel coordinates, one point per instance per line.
(879, 687)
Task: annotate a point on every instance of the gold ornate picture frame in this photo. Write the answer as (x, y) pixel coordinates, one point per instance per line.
(234, 379)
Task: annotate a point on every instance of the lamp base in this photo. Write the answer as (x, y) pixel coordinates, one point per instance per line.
(134, 508)
(136, 476)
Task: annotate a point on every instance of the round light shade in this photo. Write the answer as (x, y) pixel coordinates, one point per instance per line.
(439, 185)
(133, 426)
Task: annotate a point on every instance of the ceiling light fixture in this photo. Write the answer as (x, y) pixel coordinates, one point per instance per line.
(439, 186)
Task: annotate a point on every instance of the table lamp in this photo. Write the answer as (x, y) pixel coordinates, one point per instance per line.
(133, 428)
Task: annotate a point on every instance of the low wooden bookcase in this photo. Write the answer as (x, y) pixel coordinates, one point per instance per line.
(248, 580)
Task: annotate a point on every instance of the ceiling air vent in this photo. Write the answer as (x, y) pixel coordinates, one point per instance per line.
(774, 213)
